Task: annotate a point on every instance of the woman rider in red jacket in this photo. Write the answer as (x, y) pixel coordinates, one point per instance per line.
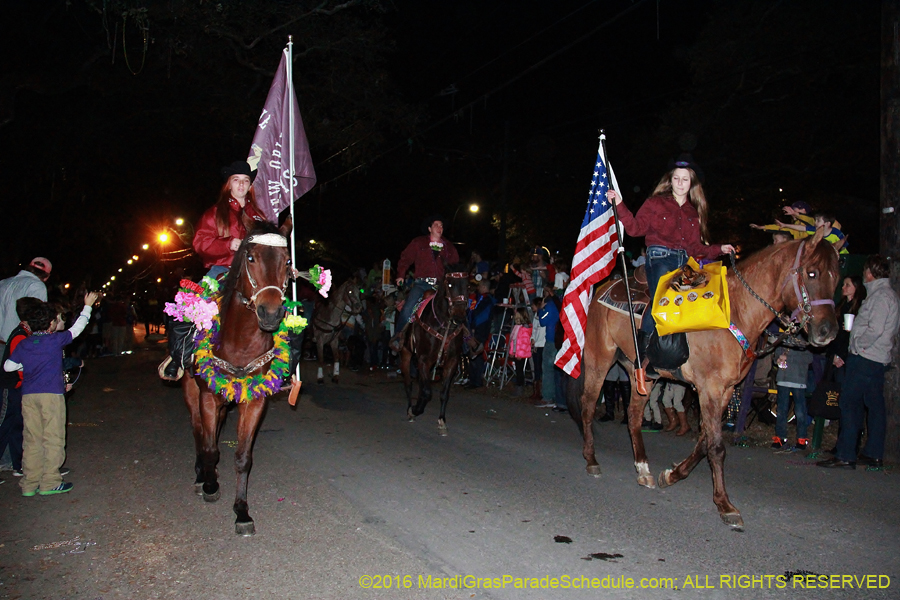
(219, 234)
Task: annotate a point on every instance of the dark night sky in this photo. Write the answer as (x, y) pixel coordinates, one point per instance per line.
(767, 95)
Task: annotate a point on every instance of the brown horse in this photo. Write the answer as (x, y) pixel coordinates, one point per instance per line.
(798, 273)
(435, 338)
(250, 311)
(330, 319)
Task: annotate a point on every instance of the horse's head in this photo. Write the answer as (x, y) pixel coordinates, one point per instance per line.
(456, 289)
(351, 296)
(261, 269)
(808, 288)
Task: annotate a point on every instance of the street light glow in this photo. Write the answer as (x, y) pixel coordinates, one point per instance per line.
(113, 278)
(179, 221)
(120, 270)
(129, 262)
(474, 208)
(146, 247)
(159, 280)
(163, 237)
(135, 257)
(312, 241)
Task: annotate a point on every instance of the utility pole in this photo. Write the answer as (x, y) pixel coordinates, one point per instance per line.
(890, 198)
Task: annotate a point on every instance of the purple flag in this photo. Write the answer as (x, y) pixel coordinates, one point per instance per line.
(270, 152)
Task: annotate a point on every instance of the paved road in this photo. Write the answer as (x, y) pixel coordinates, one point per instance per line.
(343, 487)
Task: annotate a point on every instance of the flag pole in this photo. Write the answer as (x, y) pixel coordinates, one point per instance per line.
(290, 95)
(639, 380)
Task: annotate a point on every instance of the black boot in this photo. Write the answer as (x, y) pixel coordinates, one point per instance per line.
(644, 346)
(625, 391)
(610, 391)
(396, 342)
(181, 350)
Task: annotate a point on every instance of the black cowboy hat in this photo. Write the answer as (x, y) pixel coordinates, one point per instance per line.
(239, 167)
(429, 220)
(686, 161)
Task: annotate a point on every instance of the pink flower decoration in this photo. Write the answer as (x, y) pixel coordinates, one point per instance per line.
(325, 282)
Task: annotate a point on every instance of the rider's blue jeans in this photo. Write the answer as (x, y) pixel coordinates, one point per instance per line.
(418, 289)
(660, 260)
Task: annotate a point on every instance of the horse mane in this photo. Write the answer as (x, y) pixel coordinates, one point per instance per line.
(824, 256)
(234, 272)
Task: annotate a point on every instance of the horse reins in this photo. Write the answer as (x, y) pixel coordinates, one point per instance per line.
(790, 324)
(448, 335)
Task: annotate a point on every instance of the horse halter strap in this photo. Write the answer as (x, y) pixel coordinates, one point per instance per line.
(265, 239)
(804, 304)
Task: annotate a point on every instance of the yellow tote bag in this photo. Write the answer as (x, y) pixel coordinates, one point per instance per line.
(696, 309)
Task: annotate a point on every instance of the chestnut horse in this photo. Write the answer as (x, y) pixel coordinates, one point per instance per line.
(251, 309)
(330, 319)
(435, 338)
(798, 273)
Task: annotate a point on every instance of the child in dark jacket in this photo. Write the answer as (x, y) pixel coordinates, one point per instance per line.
(40, 357)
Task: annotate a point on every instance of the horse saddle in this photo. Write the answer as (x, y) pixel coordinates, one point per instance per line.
(613, 294)
(667, 352)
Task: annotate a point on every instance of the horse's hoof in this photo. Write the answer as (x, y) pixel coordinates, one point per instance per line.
(593, 470)
(245, 529)
(647, 481)
(442, 429)
(733, 520)
(663, 479)
(198, 489)
(211, 497)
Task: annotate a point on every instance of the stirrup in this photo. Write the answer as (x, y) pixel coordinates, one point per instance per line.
(161, 369)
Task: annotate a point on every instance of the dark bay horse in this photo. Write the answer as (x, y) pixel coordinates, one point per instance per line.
(330, 319)
(799, 273)
(435, 338)
(250, 310)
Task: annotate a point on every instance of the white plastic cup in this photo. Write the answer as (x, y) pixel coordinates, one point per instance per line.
(848, 322)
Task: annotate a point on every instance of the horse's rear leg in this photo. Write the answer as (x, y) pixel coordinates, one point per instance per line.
(248, 425)
(209, 454)
(336, 371)
(635, 418)
(320, 348)
(593, 383)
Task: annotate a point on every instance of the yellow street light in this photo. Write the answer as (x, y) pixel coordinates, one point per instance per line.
(113, 278)
(159, 280)
(66, 286)
(129, 262)
(179, 221)
(135, 257)
(120, 270)
(312, 241)
(145, 247)
(163, 237)
(474, 208)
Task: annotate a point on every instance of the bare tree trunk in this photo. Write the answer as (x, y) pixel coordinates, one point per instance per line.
(890, 196)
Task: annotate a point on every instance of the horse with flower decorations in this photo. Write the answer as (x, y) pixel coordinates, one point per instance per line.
(242, 352)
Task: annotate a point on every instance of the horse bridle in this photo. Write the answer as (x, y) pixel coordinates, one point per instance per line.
(791, 324)
(265, 239)
(456, 275)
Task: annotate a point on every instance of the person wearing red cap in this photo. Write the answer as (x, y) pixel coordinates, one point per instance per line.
(29, 283)
(219, 234)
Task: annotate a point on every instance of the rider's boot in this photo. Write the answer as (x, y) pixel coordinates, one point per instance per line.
(396, 342)
(670, 416)
(181, 350)
(683, 426)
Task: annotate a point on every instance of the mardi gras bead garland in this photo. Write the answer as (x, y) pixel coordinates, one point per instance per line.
(251, 387)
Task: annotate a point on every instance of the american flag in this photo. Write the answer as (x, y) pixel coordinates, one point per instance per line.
(595, 257)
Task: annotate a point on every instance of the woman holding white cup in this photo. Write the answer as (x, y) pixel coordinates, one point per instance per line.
(853, 292)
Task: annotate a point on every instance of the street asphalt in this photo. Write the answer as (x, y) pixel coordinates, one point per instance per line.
(353, 501)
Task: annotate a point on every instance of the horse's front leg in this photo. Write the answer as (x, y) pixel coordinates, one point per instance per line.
(320, 348)
(424, 385)
(449, 373)
(209, 453)
(191, 392)
(248, 424)
(635, 417)
(405, 360)
(712, 406)
(593, 383)
(335, 353)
